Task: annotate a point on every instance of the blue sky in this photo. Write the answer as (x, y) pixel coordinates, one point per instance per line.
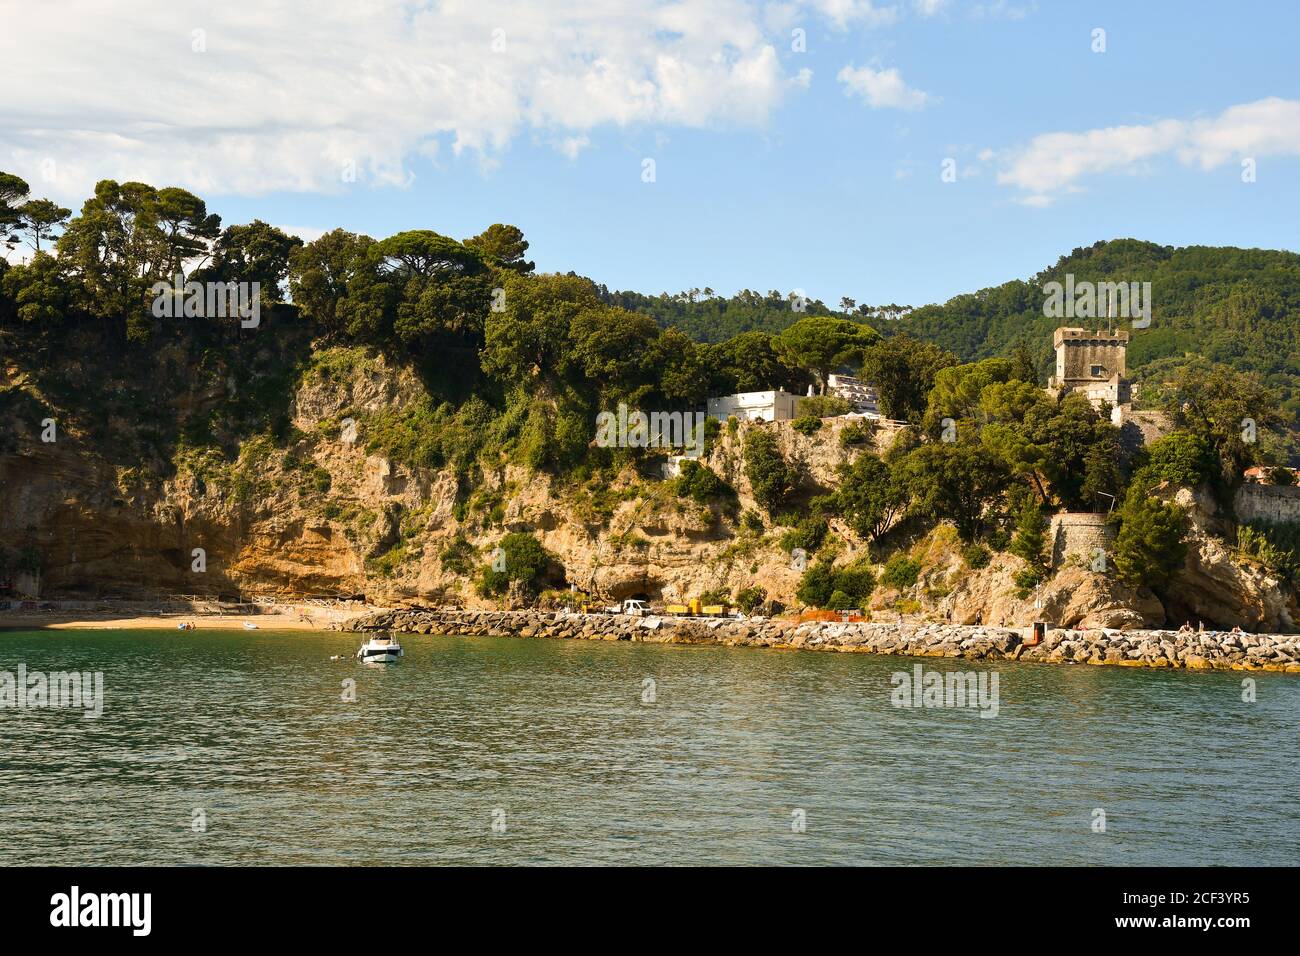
(766, 176)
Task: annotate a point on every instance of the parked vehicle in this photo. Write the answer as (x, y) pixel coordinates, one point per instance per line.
(631, 606)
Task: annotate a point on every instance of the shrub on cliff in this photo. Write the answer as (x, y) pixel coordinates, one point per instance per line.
(700, 483)
(807, 425)
(521, 560)
(900, 572)
(1276, 546)
(807, 535)
(823, 406)
(750, 598)
(822, 582)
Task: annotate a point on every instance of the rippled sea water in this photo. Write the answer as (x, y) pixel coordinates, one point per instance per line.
(553, 739)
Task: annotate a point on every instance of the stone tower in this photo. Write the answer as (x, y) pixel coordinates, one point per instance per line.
(1092, 363)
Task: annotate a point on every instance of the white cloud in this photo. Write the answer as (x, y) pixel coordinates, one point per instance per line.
(1053, 163)
(290, 95)
(930, 8)
(881, 89)
(1002, 10)
(843, 13)
(571, 146)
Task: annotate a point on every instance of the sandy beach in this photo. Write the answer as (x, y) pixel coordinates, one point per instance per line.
(281, 618)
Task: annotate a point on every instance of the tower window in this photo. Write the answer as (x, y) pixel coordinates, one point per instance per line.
(1099, 371)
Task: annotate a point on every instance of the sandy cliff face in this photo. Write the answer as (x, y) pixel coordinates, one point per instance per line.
(329, 515)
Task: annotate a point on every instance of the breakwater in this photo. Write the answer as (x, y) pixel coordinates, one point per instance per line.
(1217, 650)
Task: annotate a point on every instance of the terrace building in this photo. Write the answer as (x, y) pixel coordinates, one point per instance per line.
(861, 397)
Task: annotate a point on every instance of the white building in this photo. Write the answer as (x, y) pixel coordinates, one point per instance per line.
(861, 397)
(770, 406)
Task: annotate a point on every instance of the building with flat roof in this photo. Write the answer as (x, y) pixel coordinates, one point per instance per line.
(774, 405)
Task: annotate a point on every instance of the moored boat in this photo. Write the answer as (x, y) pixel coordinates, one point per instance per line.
(383, 649)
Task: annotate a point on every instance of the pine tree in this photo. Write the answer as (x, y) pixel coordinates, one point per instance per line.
(1150, 545)
(1031, 533)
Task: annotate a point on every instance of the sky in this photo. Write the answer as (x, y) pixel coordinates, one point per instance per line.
(893, 152)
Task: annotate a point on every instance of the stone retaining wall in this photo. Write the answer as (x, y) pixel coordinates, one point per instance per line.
(1079, 533)
(1217, 650)
(1273, 504)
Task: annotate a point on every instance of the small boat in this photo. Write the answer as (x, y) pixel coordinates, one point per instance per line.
(380, 650)
(250, 626)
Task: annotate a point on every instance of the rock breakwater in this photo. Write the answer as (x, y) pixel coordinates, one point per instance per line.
(1195, 651)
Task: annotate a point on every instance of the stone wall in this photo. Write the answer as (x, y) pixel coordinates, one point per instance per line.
(1273, 504)
(1217, 650)
(1079, 533)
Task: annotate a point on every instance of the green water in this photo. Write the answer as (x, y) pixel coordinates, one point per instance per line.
(251, 728)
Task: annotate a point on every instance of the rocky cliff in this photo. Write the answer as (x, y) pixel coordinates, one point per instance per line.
(329, 510)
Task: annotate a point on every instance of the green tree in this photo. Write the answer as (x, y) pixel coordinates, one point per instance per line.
(1023, 366)
(530, 338)
(750, 362)
(257, 252)
(955, 481)
(613, 350)
(1180, 458)
(187, 228)
(1228, 411)
(822, 344)
(39, 290)
(870, 496)
(525, 561)
(335, 281)
(825, 586)
(13, 193)
(957, 390)
(117, 249)
(445, 289)
(503, 246)
(1031, 533)
(38, 218)
(771, 477)
(1150, 545)
(903, 371)
(680, 365)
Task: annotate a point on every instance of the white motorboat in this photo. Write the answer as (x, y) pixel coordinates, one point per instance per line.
(382, 649)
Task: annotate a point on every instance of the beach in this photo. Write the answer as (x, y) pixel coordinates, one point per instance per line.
(278, 617)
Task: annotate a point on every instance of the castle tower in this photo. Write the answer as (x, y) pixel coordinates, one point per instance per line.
(1092, 363)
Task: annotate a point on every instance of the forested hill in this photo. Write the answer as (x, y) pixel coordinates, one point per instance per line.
(1240, 307)
(708, 317)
